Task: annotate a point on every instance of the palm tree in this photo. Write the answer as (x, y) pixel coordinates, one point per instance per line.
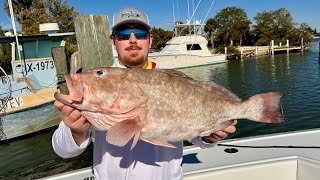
(209, 28)
(21, 9)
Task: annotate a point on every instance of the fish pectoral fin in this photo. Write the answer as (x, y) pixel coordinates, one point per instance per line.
(121, 133)
(218, 127)
(96, 120)
(159, 143)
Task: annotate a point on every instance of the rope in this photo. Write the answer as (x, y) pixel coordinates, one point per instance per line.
(289, 147)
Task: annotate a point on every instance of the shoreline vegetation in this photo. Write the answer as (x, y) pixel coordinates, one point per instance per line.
(229, 28)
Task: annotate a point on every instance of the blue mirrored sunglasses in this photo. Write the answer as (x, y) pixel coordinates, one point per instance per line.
(124, 34)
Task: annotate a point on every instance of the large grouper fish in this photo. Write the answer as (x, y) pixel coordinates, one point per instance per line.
(160, 106)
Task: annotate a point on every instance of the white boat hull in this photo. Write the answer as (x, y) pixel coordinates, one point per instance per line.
(28, 113)
(286, 168)
(287, 156)
(186, 60)
(29, 120)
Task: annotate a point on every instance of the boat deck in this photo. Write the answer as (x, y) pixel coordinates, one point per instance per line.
(33, 99)
(264, 157)
(286, 156)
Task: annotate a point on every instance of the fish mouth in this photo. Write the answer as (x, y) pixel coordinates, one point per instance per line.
(75, 87)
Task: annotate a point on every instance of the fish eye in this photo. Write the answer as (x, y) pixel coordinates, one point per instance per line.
(99, 72)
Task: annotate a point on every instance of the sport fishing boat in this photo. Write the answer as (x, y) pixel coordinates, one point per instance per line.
(290, 156)
(186, 50)
(26, 94)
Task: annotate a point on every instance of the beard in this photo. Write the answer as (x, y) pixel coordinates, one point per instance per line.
(134, 59)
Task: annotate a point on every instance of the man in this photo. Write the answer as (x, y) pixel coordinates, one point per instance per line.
(132, 39)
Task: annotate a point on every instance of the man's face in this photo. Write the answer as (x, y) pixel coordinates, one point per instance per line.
(132, 51)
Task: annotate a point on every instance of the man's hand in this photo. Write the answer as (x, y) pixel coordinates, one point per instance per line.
(72, 118)
(219, 135)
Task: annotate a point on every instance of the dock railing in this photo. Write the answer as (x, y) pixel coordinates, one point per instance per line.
(249, 51)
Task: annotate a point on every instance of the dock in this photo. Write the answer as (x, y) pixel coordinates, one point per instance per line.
(252, 51)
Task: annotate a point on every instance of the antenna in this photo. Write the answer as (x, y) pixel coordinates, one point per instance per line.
(188, 10)
(15, 30)
(195, 10)
(204, 20)
(174, 15)
(178, 10)
(192, 6)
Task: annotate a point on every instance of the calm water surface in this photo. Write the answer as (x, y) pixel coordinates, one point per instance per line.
(295, 75)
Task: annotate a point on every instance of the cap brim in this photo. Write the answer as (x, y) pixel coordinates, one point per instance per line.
(131, 21)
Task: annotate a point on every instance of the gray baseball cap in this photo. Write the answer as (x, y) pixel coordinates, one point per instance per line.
(130, 15)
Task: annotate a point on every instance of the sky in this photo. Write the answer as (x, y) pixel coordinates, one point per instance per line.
(162, 13)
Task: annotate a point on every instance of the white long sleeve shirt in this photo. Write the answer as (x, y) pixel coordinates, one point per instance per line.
(144, 162)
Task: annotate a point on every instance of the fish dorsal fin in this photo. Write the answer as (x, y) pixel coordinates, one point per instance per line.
(121, 133)
(220, 90)
(175, 73)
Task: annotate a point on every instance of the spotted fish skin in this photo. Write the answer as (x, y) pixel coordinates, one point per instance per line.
(161, 106)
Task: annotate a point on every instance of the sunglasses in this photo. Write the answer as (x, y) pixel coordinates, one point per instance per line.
(124, 34)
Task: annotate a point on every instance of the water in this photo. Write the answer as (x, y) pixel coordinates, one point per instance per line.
(297, 76)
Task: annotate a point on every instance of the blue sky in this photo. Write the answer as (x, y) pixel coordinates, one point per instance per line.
(160, 12)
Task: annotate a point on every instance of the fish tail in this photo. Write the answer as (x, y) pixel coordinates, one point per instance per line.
(266, 107)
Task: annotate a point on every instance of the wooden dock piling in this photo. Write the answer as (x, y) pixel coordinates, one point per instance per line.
(93, 38)
(272, 47)
(94, 48)
(302, 46)
(60, 60)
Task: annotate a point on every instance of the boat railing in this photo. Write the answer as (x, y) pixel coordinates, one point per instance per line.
(38, 59)
(171, 52)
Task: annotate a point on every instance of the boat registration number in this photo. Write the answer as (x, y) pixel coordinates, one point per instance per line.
(40, 66)
(13, 102)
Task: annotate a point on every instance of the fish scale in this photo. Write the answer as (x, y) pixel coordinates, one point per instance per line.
(164, 105)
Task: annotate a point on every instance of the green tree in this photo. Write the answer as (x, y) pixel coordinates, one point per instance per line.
(209, 28)
(160, 37)
(284, 23)
(21, 9)
(232, 26)
(31, 13)
(275, 25)
(5, 62)
(1, 32)
(34, 12)
(38, 16)
(62, 14)
(305, 32)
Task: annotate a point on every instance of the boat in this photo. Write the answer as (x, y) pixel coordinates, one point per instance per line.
(184, 51)
(291, 155)
(26, 97)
